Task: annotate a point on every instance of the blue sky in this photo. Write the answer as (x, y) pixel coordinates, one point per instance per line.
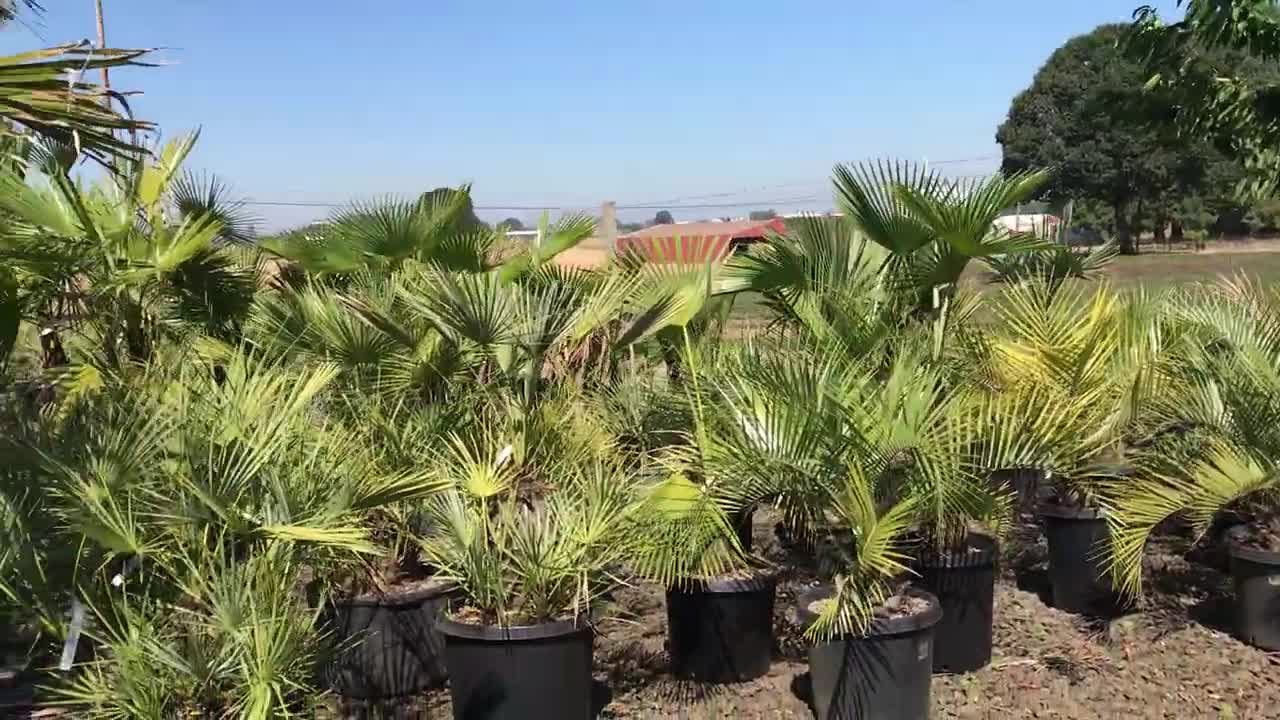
(570, 103)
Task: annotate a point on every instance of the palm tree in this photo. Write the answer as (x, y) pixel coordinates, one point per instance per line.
(1214, 432)
(931, 226)
(42, 93)
(181, 506)
(145, 253)
(1075, 378)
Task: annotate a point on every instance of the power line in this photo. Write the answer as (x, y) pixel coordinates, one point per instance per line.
(702, 206)
(752, 203)
(744, 191)
(958, 161)
(675, 203)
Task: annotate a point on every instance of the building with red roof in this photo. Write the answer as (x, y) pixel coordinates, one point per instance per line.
(697, 242)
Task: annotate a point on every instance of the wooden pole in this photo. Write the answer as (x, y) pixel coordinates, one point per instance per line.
(102, 43)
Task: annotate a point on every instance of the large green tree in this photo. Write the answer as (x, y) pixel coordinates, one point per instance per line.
(1221, 64)
(1089, 116)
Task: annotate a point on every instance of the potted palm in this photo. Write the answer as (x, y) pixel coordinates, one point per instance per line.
(852, 286)
(894, 486)
(383, 616)
(533, 549)
(1213, 459)
(960, 518)
(860, 454)
(429, 323)
(693, 530)
(1076, 376)
(872, 633)
(932, 393)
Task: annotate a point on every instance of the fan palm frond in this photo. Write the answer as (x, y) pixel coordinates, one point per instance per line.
(209, 196)
(44, 92)
(869, 195)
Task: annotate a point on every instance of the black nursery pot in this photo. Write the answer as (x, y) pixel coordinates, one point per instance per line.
(1078, 576)
(1257, 581)
(516, 673)
(388, 644)
(965, 584)
(882, 675)
(721, 631)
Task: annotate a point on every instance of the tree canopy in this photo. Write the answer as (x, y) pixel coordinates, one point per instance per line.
(1220, 64)
(663, 218)
(1088, 116)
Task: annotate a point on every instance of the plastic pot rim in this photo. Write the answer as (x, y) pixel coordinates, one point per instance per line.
(505, 633)
(433, 588)
(1254, 555)
(988, 547)
(1066, 512)
(879, 627)
(762, 579)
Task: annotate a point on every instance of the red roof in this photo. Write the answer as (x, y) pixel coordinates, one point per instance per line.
(695, 242)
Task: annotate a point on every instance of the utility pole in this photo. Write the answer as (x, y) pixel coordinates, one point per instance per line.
(102, 44)
(608, 230)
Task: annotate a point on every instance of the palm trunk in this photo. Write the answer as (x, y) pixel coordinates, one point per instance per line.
(1124, 231)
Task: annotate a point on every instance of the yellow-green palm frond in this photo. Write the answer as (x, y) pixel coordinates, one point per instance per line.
(872, 559)
(482, 468)
(681, 533)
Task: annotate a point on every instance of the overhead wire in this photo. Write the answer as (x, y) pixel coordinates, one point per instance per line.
(675, 203)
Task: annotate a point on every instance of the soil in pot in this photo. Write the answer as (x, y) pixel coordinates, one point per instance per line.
(883, 674)
(1255, 570)
(519, 672)
(721, 630)
(1079, 579)
(964, 582)
(388, 646)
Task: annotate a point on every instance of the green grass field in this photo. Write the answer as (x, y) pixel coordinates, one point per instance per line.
(1157, 271)
(1154, 271)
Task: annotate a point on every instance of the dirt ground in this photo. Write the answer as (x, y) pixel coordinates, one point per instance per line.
(1172, 659)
